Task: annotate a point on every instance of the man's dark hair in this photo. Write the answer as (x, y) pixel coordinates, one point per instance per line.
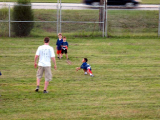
(64, 37)
(46, 39)
(86, 59)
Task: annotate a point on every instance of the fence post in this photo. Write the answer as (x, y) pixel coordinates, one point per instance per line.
(159, 24)
(103, 17)
(9, 22)
(57, 16)
(106, 19)
(60, 16)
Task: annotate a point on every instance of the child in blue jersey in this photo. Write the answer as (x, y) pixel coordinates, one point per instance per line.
(86, 67)
(65, 47)
(59, 44)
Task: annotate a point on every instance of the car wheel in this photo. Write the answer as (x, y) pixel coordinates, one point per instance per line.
(129, 5)
(95, 4)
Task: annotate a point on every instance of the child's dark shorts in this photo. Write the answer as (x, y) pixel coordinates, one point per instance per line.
(64, 51)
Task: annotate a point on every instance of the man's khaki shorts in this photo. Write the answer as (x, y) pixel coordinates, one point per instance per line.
(46, 70)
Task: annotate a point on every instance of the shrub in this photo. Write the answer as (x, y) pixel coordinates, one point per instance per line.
(3, 13)
(22, 12)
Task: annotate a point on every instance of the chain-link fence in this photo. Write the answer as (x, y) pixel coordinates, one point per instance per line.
(49, 22)
(85, 21)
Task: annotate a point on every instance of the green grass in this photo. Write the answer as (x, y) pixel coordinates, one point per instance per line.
(80, 1)
(150, 1)
(125, 86)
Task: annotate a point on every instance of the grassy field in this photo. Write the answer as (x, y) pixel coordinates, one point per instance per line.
(125, 86)
(80, 1)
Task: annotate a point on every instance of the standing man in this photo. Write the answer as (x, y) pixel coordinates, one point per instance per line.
(45, 53)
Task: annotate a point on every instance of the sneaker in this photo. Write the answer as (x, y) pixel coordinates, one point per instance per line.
(45, 91)
(91, 75)
(85, 73)
(36, 90)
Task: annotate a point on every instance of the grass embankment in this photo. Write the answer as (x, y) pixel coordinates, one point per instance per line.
(133, 23)
(80, 1)
(120, 23)
(125, 86)
(150, 2)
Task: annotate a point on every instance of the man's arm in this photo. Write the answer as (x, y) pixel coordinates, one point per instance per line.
(35, 61)
(54, 61)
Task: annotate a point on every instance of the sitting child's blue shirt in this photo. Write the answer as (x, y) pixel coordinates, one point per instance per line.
(85, 66)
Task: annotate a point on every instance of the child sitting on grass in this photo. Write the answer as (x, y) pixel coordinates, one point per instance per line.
(86, 67)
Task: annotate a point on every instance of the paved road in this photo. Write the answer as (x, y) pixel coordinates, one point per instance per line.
(77, 6)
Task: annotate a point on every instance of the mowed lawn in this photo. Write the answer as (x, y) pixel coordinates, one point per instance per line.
(125, 86)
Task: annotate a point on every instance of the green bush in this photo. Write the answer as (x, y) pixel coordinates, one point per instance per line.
(3, 13)
(22, 12)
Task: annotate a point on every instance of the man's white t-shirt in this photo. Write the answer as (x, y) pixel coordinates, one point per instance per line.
(45, 52)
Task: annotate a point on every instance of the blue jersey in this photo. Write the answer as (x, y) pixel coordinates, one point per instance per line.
(64, 45)
(85, 66)
(59, 43)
